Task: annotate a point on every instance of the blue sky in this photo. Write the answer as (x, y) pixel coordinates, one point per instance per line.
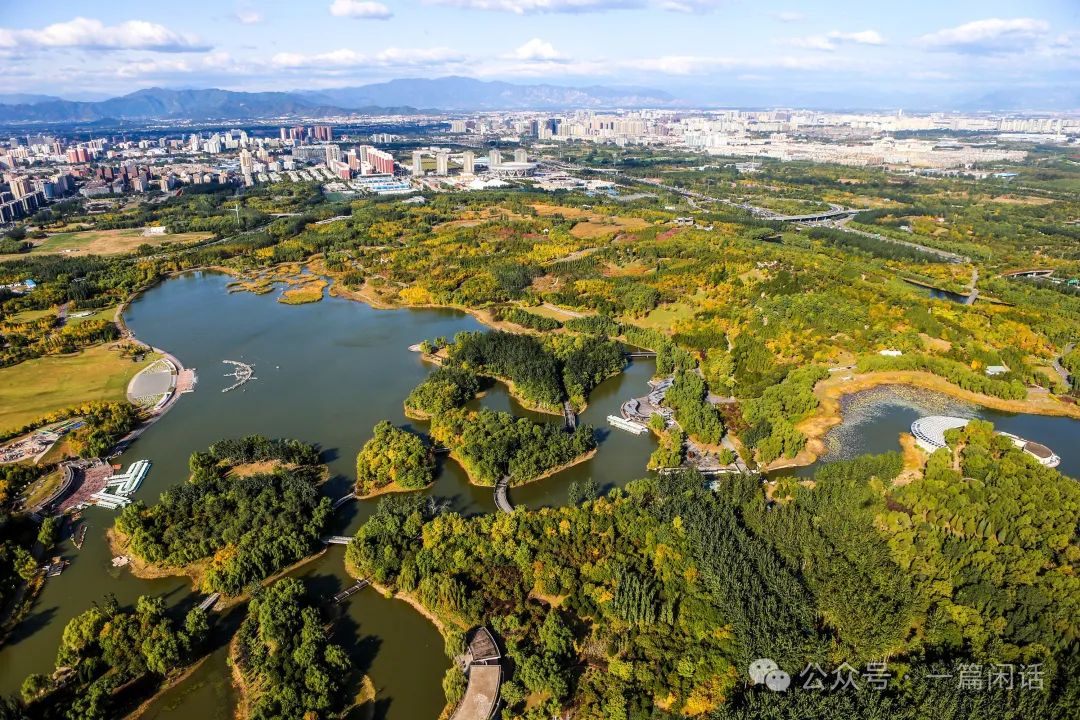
(959, 48)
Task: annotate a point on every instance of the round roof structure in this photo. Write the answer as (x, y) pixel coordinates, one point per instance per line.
(929, 431)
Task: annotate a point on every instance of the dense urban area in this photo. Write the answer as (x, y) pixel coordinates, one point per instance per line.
(718, 288)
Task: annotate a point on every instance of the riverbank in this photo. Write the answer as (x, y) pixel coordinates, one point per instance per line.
(118, 544)
(473, 480)
(169, 684)
(831, 392)
(392, 488)
(413, 602)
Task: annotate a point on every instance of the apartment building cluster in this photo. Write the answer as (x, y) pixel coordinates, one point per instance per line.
(40, 169)
(847, 138)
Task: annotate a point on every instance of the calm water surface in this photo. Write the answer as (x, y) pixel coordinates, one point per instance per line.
(326, 373)
(875, 418)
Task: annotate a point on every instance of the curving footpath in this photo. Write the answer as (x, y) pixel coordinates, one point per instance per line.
(502, 497)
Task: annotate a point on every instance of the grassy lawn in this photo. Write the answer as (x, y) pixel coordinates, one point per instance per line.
(109, 242)
(104, 314)
(665, 316)
(28, 315)
(43, 488)
(36, 387)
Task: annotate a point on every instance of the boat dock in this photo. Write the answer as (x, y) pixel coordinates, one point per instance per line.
(627, 425)
(55, 567)
(119, 487)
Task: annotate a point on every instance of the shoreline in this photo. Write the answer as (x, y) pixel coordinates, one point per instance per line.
(546, 474)
(414, 603)
(118, 542)
(390, 489)
(831, 392)
(126, 333)
(167, 685)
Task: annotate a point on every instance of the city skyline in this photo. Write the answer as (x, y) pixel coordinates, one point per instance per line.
(700, 50)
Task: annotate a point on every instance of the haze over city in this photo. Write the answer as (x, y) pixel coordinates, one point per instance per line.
(716, 52)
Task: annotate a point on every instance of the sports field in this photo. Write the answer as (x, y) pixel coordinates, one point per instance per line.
(107, 242)
(40, 386)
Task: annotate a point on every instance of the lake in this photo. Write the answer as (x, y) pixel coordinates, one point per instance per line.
(326, 373)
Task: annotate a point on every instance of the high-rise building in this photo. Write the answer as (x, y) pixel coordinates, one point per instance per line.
(468, 162)
(245, 162)
(333, 154)
(417, 163)
(494, 158)
(381, 161)
(442, 163)
(520, 155)
(457, 126)
(324, 133)
(284, 133)
(20, 187)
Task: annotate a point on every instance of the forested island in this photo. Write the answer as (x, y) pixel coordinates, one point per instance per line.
(109, 654)
(250, 508)
(394, 459)
(283, 660)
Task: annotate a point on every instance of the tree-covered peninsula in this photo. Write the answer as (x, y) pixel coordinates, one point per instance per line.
(250, 508)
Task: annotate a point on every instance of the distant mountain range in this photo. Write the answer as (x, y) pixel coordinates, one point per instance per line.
(394, 97)
(159, 103)
(460, 93)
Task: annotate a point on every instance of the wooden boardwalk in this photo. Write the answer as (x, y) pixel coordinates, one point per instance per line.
(569, 417)
(350, 591)
(502, 497)
(209, 601)
(344, 499)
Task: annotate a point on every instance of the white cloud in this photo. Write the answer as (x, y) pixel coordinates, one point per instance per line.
(537, 49)
(390, 57)
(862, 37)
(213, 62)
(789, 16)
(834, 39)
(247, 16)
(689, 6)
(96, 35)
(989, 36)
(364, 9)
(534, 7)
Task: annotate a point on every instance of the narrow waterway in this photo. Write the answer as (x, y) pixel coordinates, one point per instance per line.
(325, 373)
